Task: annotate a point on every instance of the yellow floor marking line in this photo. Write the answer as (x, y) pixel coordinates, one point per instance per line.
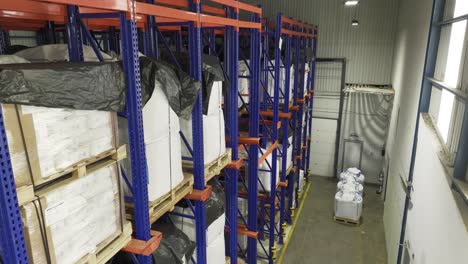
(298, 214)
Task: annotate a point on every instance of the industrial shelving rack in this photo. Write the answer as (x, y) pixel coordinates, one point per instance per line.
(284, 35)
(127, 19)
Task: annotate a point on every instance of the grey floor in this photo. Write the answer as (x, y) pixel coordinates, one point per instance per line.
(318, 239)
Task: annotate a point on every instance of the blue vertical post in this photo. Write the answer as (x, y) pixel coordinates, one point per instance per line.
(129, 37)
(285, 128)
(308, 42)
(75, 46)
(293, 175)
(113, 40)
(149, 36)
(265, 75)
(311, 100)
(298, 130)
(195, 51)
(232, 38)
(12, 241)
(274, 158)
(254, 130)
(50, 32)
(179, 41)
(4, 41)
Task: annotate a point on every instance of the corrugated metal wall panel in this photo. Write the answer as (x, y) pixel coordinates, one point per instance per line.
(368, 47)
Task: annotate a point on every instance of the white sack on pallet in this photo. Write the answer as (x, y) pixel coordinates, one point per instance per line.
(162, 142)
(243, 83)
(271, 82)
(265, 176)
(289, 153)
(78, 217)
(348, 205)
(350, 176)
(349, 185)
(215, 251)
(214, 230)
(306, 73)
(301, 180)
(213, 128)
(55, 138)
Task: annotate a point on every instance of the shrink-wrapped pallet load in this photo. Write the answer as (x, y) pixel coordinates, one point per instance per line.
(45, 143)
(75, 217)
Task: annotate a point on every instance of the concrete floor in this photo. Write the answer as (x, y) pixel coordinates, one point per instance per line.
(317, 238)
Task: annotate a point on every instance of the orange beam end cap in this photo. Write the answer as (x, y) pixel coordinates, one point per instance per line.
(145, 248)
(200, 195)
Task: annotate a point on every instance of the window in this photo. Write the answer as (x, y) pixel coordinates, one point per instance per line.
(449, 83)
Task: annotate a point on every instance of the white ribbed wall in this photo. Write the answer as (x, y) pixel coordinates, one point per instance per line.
(368, 47)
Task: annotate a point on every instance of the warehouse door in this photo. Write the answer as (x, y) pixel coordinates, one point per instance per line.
(325, 117)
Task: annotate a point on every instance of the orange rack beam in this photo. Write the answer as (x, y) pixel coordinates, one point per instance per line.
(280, 114)
(268, 152)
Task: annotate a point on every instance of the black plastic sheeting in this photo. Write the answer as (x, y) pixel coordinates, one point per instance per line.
(180, 89)
(93, 85)
(85, 86)
(212, 71)
(214, 205)
(172, 249)
(174, 245)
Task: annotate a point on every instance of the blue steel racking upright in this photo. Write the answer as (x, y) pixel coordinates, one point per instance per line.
(11, 230)
(126, 15)
(310, 88)
(286, 34)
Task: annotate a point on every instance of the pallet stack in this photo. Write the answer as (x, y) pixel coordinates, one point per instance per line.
(68, 180)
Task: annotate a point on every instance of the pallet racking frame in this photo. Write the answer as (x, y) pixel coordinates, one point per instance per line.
(128, 15)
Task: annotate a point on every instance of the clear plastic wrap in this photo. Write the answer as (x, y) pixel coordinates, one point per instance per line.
(71, 220)
(56, 139)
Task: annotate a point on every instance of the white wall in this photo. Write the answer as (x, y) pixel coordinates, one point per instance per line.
(434, 229)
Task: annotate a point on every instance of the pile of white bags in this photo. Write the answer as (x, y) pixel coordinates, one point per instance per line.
(213, 128)
(348, 199)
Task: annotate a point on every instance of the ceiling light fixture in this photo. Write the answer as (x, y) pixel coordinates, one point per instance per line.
(351, 2)
(355, 23)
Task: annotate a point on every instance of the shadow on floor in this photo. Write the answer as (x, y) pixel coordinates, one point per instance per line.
(319, 239)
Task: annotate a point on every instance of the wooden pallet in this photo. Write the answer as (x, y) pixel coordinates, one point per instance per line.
(28, 193)
(347, 221)
(213, 168)
(109, 248)
(166, 202)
